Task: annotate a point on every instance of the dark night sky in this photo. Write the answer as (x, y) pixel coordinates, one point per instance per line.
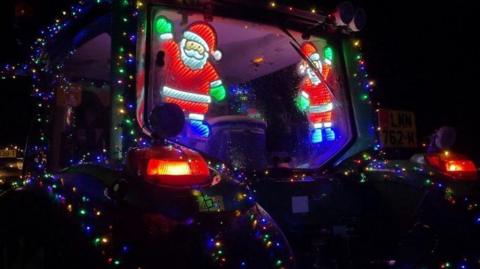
(423, 58)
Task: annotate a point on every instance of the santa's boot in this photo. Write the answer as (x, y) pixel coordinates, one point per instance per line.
(200, 128)
(317, 136)
(329, 134)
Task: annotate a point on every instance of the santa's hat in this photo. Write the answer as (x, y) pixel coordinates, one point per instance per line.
(204, 34)
(309, 50)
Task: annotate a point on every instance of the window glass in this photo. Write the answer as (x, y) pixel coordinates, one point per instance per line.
(249, 97)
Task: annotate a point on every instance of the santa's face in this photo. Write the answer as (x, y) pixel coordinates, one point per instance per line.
(311, 74)
(193, 54)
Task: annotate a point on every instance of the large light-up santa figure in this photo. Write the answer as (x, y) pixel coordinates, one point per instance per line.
(191, 80)
(315, 97)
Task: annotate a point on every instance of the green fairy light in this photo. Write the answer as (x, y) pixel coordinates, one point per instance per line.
(83, 212)
(266, 237)
(363, 178)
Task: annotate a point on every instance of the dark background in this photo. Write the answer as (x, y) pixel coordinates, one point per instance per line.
(422, 57)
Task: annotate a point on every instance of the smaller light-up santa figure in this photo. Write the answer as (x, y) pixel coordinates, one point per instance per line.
(315, 98)
(191, 81)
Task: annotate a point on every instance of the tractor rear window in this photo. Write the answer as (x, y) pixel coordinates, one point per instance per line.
(252, 96)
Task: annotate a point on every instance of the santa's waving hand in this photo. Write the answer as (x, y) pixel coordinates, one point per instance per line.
(191, 81)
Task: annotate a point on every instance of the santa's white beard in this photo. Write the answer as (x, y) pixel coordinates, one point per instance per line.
(313, 77)
(192, 58)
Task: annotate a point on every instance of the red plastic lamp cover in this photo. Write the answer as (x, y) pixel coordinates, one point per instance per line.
(460, 166)
(168, 168)
(453, 165)
(171, 166)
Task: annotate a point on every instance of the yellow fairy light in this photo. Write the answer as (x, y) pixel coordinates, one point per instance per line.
(258, 60)
(273, 4)
(356, 43)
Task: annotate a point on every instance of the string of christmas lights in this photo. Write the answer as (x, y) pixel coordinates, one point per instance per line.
(46, 79)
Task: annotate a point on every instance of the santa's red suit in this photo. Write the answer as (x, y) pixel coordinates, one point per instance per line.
(189, 88)
(320, 110)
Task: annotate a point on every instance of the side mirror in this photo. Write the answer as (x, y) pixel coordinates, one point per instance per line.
(445, 137)
(343, 14)
(166, 120)
(359, 20)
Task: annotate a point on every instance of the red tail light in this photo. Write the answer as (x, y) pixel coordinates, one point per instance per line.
(460, 166)
(453, 165)
(170, 166)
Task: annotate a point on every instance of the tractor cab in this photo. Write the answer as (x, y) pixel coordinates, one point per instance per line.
(216, 134)
(254, 92)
